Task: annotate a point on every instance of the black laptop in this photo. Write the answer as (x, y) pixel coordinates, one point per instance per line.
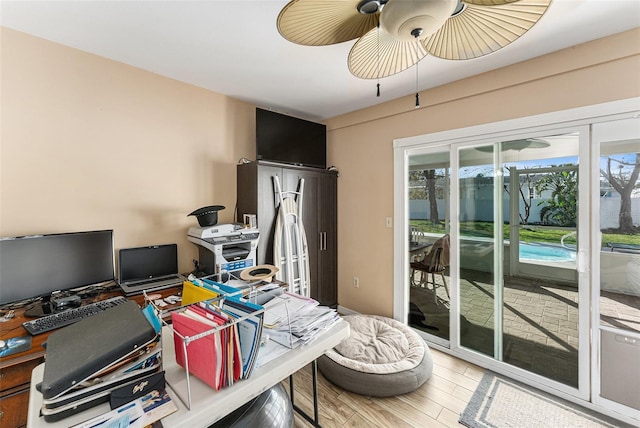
(148, 268)
(76, 352)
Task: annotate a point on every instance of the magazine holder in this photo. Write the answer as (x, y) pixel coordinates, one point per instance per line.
(184, 394)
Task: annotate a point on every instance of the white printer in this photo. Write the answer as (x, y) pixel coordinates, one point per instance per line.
(225, 248)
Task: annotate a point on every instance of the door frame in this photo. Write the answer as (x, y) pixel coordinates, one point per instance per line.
(599, 133)
(481, 134)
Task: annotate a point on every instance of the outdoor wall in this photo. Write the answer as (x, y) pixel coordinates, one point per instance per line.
(609, 210)
(360, 144)
(88, 143)
(619, 273)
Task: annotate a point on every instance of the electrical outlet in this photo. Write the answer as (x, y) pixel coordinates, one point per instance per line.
(388, 222)
(356, 281)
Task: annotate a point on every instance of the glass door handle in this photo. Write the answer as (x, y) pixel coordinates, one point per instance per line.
(581, 261)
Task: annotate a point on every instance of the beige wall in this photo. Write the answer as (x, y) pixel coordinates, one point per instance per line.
(88, 143)
(360, 143)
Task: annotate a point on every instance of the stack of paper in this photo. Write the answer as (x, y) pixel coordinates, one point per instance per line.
(291, 320)
(140, 413)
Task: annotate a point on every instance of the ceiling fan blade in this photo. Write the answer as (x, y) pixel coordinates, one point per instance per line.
(488, 2)
(481, 30)
(324, 22)
(377, 55)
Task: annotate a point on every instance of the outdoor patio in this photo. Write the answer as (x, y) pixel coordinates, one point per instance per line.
(540, 320)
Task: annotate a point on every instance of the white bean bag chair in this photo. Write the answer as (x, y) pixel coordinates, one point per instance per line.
(382, 357)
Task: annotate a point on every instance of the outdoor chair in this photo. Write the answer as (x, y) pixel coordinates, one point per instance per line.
(434, 262)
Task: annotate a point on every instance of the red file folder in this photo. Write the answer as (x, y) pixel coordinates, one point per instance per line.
(216, 319)
(205, 359)
(233, 363)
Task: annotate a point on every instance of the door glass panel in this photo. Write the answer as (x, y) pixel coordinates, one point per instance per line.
(620, 235)
(429, 297)
(476, 234)
(619, 259)
(518, 298)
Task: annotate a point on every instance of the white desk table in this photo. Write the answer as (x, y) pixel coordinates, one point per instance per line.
(207, 405)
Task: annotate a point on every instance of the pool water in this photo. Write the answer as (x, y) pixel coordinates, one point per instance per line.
(546, 253)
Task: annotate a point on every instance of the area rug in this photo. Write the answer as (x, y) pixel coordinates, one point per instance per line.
(499, 402)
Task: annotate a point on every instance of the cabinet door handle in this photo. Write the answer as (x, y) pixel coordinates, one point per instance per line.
(324, 241)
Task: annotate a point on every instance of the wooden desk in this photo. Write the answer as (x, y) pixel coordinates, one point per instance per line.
(15, 370)
(207, 405)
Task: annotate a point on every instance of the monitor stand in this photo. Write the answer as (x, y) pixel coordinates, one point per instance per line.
(40, 309)
(52, 305)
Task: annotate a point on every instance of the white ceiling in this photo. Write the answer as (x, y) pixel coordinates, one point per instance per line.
(234, 48)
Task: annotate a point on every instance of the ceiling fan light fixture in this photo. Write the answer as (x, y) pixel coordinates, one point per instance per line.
(400, 18)
(393, 35)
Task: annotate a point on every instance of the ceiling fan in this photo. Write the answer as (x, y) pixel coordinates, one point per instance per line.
(393, 35)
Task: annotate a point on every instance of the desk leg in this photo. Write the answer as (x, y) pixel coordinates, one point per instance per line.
(314, 376)
(291, 389)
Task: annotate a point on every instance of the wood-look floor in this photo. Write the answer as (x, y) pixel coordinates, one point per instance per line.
(438, 403)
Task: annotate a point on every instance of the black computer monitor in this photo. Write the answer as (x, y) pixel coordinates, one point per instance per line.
(37, 265)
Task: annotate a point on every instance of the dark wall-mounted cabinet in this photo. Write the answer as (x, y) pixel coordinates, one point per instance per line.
(257, 195)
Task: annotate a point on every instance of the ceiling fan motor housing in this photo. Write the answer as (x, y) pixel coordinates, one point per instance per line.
(367, 7)
(400, 18)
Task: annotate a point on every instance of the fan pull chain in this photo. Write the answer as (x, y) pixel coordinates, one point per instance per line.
(417, 93)
(378, 59)
(417, 32)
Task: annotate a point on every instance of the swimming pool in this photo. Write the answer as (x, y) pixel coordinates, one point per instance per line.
(546, 253)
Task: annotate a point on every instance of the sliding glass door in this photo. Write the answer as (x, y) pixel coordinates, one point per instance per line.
(429, 222)
(509, 287)
(519, 284)
(480, 276)
(616, 255)
(541, 221)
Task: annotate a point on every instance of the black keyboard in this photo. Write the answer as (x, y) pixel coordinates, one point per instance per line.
(70, 316)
